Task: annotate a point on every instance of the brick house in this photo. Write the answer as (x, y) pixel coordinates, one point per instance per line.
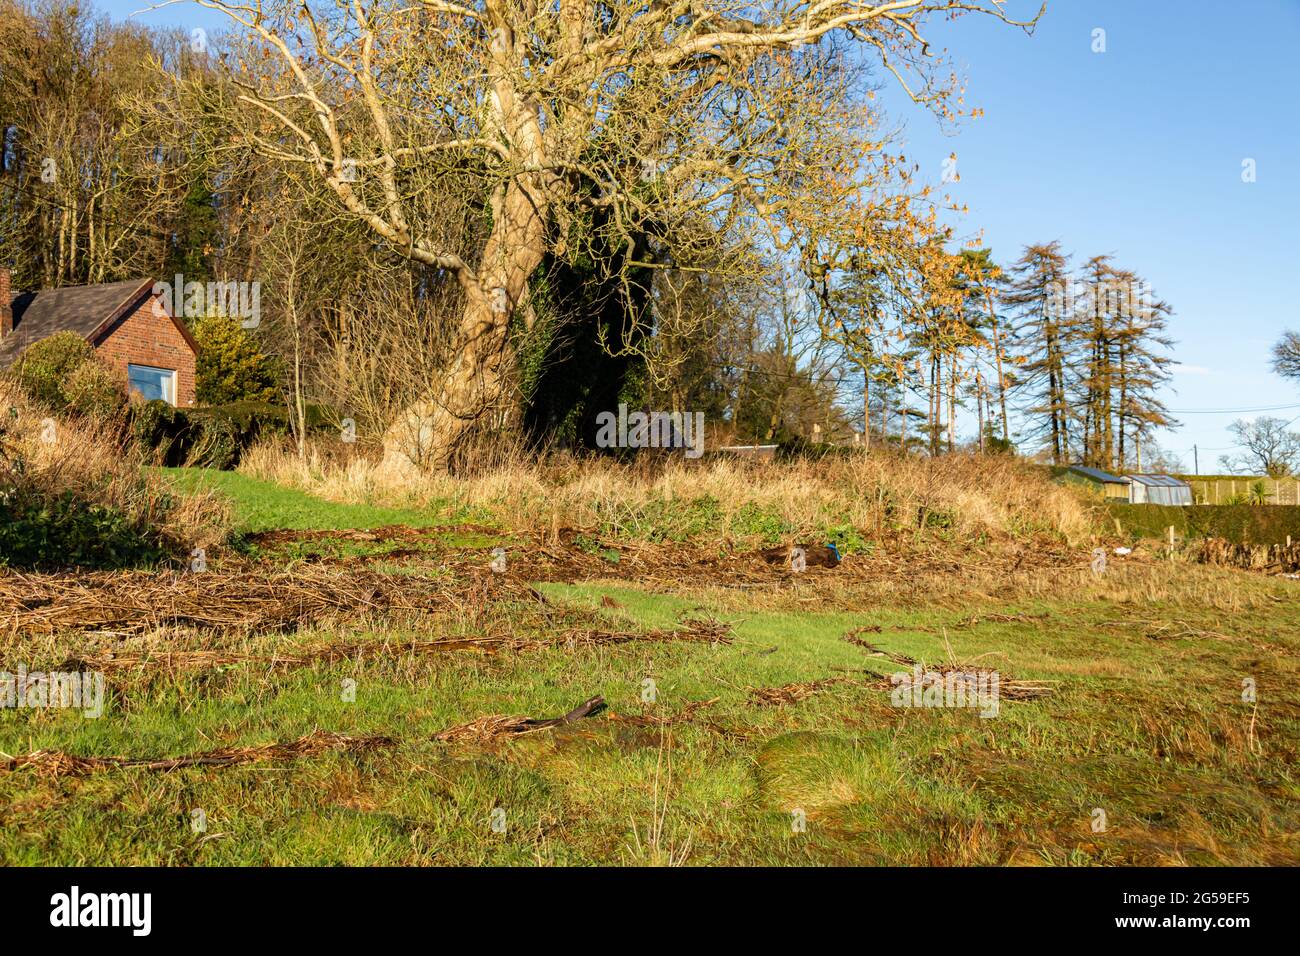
(128, 325)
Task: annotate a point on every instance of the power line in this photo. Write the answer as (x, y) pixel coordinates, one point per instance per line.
(1231, 411)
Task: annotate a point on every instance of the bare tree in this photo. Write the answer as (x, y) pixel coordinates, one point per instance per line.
(1266, 446)
(1286, 356)
(746, 117)
(86, 192)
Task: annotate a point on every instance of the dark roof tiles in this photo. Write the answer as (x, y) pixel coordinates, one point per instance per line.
(81, 309)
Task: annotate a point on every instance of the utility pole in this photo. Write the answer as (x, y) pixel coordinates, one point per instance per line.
(1137, 443)
(1196, 461)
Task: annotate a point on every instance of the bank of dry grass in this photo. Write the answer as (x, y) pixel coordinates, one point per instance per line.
(675, 498)
(54, 468)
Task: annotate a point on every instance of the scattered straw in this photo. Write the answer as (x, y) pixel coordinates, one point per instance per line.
(128, 602)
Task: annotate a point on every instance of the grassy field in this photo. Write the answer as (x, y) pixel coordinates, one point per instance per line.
(748, 715)
(262, 505)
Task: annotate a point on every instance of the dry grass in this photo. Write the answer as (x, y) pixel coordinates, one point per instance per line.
(48, 456)
(802, 690)
(132, 602)
(155, 650)
(971, 495)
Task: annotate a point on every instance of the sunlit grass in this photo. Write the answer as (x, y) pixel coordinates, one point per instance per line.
(1153, 731)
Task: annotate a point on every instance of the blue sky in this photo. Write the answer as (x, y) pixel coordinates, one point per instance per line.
(1136, 152)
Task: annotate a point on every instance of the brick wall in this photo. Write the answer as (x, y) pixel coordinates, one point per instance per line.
(148, 336)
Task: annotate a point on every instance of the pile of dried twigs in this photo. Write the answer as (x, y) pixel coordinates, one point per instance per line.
(793, 693)
(1272, 559)
(875, 651)
(129, 602)
(1008, 687)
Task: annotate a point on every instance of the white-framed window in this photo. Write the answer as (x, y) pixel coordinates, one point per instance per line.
(150, 383)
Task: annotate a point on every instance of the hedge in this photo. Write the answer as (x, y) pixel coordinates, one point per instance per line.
(1240, 524)
(214, 437)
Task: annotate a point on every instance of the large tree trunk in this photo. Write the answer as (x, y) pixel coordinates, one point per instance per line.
(428, 434)
(476, 384)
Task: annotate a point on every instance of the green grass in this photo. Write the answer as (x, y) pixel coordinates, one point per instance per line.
(1147, 724)
(263, 505)
(1151, 731)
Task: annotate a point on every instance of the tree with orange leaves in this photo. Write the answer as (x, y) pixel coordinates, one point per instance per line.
(685, 123)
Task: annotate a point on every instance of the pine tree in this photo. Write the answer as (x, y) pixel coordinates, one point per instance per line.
(1096, 327)
(1037, 294)
(983, 292)
(1141, 369)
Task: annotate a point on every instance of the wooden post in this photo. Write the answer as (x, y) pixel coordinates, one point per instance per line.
(866, 409)
(1171, 536)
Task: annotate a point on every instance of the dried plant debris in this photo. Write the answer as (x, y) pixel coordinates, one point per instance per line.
(132, 602)
(793, 693)
(493, 726)
(978, 619)
(59, 763)
(172, 660)
(853, 638)
(1271, 559)
(392, 532)
(176, 660)
(920, 675)
(1169, 630)
(578, 556)
(573, 554)
(699, 630)
(1008, 688)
